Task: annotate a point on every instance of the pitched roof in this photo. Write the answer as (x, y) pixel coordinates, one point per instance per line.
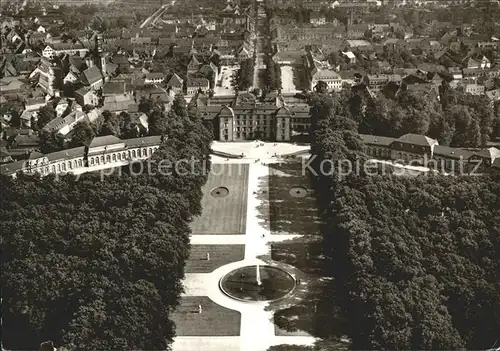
(451, 152)
(377, 140)
(119, 102)
(91, 75)
(146, 141)
(26, 140)
(417, 139)
(175, 81)
(33, 155)
(193, 62)
(114, 87)
(155, 75)
(104, 141)
(491, 153)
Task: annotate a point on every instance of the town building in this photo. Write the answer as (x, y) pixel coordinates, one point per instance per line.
(53, 50)
(86, 96)
(193, 85)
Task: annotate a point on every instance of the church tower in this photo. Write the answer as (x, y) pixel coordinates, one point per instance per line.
(100, 60)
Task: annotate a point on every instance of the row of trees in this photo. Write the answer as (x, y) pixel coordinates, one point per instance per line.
(245, 74)
(414, 259)
(97, 264)
(273, 74)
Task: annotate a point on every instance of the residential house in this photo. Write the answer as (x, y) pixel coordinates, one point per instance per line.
(54, 50)
(61, 107)
(287, 57)
(361, 45)
(118, 103)
(493, 95)
(243, 53)
(154, 78)
(330, 77)
(71, 77)
(175, 83)
(357, 31)
(376, 82)
(12, 36)
(50, 76)
(471, 74)
(22, 144)
(317, 19)
(489, 44)
(30, 113)
(114, 87)
(92, 77)
(193, 65)
(155, 93)
(474, 89)
(351, 77)
(5, 156)
(86, 96)
(193, 85)
(64, 125)
(10, 86)
(485, 62)
(455, 73)
(473, 64)
(351, 58)
(27, 117)
(41, 29)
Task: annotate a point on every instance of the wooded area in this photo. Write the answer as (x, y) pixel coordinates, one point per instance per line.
(415, 260)
(97, 265)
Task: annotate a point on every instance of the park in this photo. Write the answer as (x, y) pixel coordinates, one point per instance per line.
(254, 257)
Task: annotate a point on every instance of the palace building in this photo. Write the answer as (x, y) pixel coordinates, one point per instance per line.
(245, 118)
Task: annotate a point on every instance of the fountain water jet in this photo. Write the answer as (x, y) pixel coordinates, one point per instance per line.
(258, 275)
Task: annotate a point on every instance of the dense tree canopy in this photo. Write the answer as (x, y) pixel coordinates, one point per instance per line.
(456, 119)
(96, 263)
(273, 74)
(415, 259)
(418, 260)
(244, 77)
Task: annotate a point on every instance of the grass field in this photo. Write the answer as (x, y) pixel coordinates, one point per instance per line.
(220, 255)
(224, 215)
(214, 320)
(309, 313)
(288, 214)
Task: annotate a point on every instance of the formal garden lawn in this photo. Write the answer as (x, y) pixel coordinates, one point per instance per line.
(224, 214)
(292, 204)
(310, 311)
(220, 255)
(214, 320)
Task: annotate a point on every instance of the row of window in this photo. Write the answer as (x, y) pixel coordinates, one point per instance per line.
(96, 160)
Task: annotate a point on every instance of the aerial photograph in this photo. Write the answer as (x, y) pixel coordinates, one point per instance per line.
(250, 175)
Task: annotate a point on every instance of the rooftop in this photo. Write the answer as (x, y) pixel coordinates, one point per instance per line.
(417, 139)
(104, 141)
